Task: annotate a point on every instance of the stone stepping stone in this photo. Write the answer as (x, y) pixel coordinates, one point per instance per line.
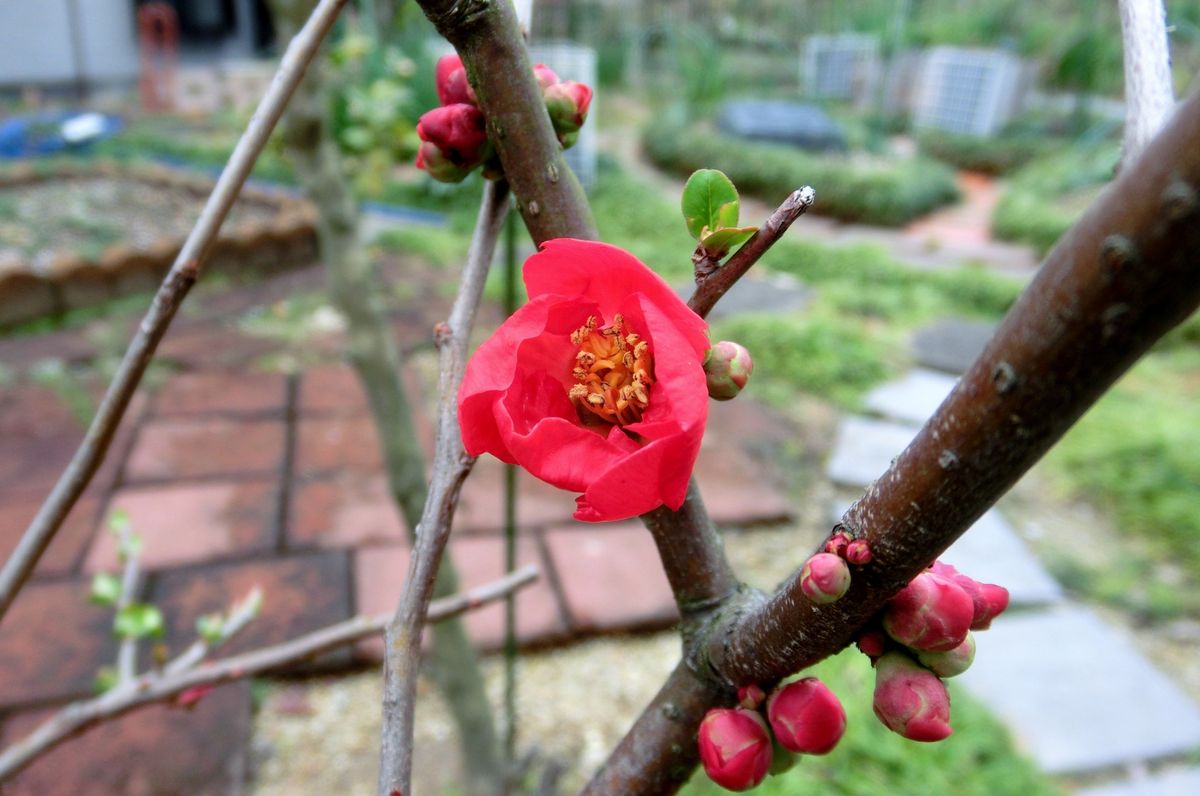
(1179, 782)
(951, 345)
(912, 398)
(758, 293)
(1075, 693)
(992, 552)
(864, 449)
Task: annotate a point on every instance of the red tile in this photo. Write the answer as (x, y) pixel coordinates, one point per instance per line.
(345, 511)
(611, 577)
(379, 575)
(38, 436)
(331, 389)
(158, 749)
(301, 593)
(341, 443)
(194, 448)
(230, 392)
(191, 523)
(69, 544)
(53, 643)
(481, 504)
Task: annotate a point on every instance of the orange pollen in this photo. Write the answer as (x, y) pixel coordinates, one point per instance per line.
(613, 372)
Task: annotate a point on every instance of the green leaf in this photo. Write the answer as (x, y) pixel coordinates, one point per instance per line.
(138, 620)
(709, 200)
(720, 241)
(210, 626)
(105, 679)
(118, 522)
(106, 588)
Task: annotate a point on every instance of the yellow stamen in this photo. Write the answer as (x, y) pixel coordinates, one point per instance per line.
(612, 371)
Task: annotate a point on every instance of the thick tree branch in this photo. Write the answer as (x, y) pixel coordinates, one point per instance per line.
(489, 41)
(170, 295)
(451, 464)
(186, 672)
(1149, 95)
(717, 283)
(1121, 278)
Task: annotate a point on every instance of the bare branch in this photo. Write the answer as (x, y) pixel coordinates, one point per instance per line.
(451, 464)
(1149, 95)
(170, 295)
(130, 579)
(184, 672)
(710, 287)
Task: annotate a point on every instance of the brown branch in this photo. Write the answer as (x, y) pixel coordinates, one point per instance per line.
(185, 673)
(1121, 278)
(489, 41)
(711, 287)
(170, 295)
(451, 464)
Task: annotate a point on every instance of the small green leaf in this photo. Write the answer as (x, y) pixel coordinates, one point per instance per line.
(720, 241)
(118, 522)
(209, 627)
(105, 679)
(138, 620)
(709, 200)
(106, 588)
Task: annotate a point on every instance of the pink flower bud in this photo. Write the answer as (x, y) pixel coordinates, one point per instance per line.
(871, 643)
(806, 717)
(735, 748)
(837, 543)
(567, 103)
(824, 578)
(457, 133)
(545, 76)
(930, 613)
(950, 663)
(858, 552)
(989, 599)
(452, 84)
(910, 700)
(190, 697)
(727, 369)
(751, 696)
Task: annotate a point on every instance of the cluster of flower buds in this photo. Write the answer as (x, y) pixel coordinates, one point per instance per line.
(825, 578)
(922, 636)
(738, 748)
(454, 138)
(727, 370)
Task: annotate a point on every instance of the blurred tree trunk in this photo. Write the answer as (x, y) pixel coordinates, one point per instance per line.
(356, 291)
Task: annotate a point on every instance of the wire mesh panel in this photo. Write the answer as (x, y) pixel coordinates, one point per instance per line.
(967, 91)
(572, 61)
(841, 67)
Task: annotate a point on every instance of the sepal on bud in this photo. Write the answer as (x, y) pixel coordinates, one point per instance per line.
(735, 748)
(950, 663)
(825, 578)
(806, 717)
(567, 103)
(727, 370)
(910, 700)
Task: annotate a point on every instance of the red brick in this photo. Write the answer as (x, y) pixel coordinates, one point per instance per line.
(734, 469)
(194, 448)
(69, 544)
(331, 388)
(611, 577)
(214, 347)
(301, 593)
(158, 749)
(379, 575)
(481, 504)
(341, 443)
(190, 523)
(228, 392)
(53, 643)
(38, 435)
(345, 511)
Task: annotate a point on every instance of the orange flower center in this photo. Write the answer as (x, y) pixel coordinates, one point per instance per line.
(613, 372)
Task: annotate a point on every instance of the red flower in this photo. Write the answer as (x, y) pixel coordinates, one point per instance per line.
(595, 385)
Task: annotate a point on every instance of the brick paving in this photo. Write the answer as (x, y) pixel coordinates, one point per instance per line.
(236, 477)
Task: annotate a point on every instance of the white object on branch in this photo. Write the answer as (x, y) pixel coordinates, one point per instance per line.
(188, 672)
(1149, 95)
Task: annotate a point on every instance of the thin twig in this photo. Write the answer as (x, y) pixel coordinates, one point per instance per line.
(171, 293)
(451, 464)
(176, 678)
(241, 615)
(130, 579)
(1149, 95)
(710, 288)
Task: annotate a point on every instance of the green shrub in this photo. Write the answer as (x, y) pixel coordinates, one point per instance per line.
(849, 188)
(998, 155)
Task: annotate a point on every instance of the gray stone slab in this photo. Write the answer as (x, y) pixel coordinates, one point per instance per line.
(952, 344)
(911, 398)
(864, 449)
(757, 293)
(992, 552)
(1075, 693)
(1177, 782)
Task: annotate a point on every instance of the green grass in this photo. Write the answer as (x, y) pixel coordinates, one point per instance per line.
(977, 760)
